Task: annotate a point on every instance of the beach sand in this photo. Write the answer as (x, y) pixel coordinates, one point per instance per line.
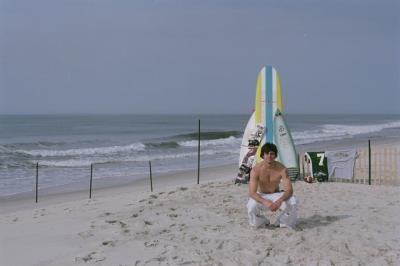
(182, 223)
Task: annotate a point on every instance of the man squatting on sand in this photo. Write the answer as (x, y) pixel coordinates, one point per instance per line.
(265, 179)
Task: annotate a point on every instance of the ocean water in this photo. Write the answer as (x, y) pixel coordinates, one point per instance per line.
(121, 146)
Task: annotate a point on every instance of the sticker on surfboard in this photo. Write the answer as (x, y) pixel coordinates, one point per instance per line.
(247, 162)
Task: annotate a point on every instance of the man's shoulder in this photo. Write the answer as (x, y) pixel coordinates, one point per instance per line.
(257, 166)
(279, 166)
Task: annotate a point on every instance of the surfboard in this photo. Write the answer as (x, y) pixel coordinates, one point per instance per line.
(268, 100)
(287, 154)
(245, 140)
(251, 140)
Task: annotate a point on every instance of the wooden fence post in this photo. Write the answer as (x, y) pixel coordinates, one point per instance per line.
(151, 178)
(198, 157)
(37, 180)
(91, 181)
(369, 162)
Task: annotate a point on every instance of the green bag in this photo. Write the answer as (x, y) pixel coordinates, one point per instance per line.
(319, 165)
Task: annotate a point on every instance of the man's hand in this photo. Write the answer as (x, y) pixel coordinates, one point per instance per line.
(269, 204)
(275, 205)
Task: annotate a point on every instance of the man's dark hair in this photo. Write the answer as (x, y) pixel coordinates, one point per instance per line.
(267, 147)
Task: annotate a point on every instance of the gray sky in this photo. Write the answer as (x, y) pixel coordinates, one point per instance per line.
(186, 56)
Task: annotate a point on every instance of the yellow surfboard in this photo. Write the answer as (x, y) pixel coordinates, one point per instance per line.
(268, 101)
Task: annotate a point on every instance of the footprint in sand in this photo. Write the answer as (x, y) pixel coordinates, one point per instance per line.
(122, 224)
(39, 212)
(144, 233)
(85, 235)
(164, 231)
(151, 243)
(105, 214)
(220, 244)
(124, 227)
(182, 227)
(158, 259)
(204, 241)
(89, 257)
(108, 243)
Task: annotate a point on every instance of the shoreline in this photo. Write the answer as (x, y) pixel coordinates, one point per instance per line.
(80, 190)
(349, 143)
(57, 195)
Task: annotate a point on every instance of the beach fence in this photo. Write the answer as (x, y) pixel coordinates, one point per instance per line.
(377, 166)
(91, 166)
(372, 165)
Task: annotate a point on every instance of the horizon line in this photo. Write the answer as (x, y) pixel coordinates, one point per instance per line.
(289, 113)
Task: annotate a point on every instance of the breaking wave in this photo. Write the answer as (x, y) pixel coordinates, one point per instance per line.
(336, 132)
(85, 151)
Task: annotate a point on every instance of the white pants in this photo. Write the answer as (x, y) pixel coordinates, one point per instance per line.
(287, 213)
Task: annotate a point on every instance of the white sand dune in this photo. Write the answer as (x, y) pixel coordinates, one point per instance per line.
(206, 224)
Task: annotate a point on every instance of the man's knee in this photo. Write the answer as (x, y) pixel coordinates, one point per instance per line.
(251, 205)
(292, 201)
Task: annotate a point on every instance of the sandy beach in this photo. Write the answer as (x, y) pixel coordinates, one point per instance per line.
(125, 100)
(182, 223)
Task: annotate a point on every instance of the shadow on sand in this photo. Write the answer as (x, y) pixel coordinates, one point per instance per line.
(318, 220)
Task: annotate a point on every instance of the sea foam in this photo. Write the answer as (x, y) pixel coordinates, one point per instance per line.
(85, 151)
(338, 131)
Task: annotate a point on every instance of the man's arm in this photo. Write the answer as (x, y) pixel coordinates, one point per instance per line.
(287, 188)
(253, 186)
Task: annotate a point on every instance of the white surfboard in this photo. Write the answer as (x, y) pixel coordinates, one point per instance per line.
(250, 142)
(244, 148)
(286, 150)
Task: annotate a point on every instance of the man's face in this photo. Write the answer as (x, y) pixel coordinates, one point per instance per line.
(269, 156)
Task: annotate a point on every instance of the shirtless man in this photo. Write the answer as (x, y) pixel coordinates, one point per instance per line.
(265, 179)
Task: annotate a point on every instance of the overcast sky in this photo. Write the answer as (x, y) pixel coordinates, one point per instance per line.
(186, 56)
